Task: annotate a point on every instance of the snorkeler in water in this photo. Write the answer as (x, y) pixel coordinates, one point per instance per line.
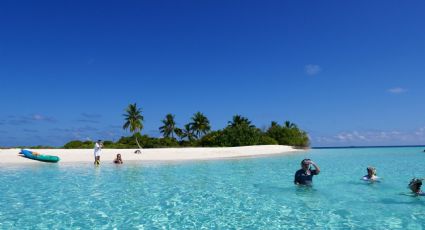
(415, 185)
(371, 174)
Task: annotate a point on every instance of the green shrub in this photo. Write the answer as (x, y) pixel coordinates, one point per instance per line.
(242, 135)
(289, 136)
(239, 135)
(191, 143)
(266, 140)
(211, 139)
(128, 142)
(168, 142)
(148, 142)
(79, 145)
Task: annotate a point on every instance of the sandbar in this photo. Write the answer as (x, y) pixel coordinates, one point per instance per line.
(11, 156)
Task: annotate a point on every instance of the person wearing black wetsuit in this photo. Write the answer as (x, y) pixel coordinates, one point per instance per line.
(304, 176)
(415, 185)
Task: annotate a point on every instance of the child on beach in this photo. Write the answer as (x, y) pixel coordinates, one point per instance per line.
(118, 160)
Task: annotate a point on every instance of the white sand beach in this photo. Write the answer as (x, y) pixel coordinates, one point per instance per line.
(159, 154)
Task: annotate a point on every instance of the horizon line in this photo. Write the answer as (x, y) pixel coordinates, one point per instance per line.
(367, 146)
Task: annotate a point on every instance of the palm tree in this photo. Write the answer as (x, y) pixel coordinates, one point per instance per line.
(239, 120)
(179, 132)
(133, 120)
(290, 125)
(187, 132)
(169, 128)
(200, 124)
(274, 124)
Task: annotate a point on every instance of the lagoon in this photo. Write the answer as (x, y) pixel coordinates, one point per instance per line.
(249, 193)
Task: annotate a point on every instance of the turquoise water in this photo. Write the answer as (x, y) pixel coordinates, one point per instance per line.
(254, 193)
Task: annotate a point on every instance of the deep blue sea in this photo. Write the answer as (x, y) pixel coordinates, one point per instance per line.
(250, 193)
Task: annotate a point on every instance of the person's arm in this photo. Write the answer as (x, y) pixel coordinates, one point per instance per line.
(296, 178)
(316, 167)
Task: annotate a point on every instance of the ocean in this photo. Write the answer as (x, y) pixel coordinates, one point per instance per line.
(248, 193)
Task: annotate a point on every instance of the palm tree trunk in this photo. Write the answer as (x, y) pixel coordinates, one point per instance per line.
(137, 142)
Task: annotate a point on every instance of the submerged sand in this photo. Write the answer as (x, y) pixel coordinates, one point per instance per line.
(159, 154)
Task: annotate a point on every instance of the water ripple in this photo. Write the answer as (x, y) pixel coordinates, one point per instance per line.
(239, 194)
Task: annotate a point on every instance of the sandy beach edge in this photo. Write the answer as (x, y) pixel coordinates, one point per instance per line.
(11, 156)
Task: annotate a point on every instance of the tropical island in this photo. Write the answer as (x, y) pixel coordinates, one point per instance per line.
(194, 141)
(197, 133)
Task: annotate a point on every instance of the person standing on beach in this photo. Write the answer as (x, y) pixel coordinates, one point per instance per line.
(304, 176)
(97, 151)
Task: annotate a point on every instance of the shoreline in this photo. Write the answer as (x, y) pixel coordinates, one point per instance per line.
(11, 156)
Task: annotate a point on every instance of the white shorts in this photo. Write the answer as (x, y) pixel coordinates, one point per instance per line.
(97, 154)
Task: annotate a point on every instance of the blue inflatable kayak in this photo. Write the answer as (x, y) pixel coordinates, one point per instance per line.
(39, 157)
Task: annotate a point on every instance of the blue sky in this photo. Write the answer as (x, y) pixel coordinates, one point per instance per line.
(348, 72)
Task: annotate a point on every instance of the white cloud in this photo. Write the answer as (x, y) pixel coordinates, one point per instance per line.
(397, 90)
(29, 119)
(38, 117)
(312, 69)
(420, 132)
(350, 136)
(380, 137)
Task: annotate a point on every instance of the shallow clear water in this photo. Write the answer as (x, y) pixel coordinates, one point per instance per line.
(254, 193)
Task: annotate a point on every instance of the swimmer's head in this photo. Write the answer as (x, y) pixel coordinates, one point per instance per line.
(371, 171)
(415, 185)
(305, 164)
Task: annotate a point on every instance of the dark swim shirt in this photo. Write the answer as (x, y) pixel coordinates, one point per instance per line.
(301, 177)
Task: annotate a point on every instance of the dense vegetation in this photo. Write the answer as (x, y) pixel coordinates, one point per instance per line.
(239, 132)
